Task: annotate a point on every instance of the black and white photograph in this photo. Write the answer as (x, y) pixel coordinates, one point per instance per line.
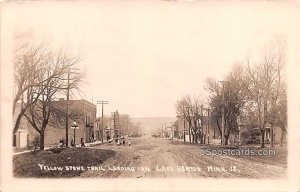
(166, 90)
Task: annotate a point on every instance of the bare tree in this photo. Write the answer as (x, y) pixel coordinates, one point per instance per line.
(40, 74)
(125, 121)
(183, 108)
(234, 99)
(28, 63)
(190, 109)
(278, 113)
(136, 129)
(264, 81)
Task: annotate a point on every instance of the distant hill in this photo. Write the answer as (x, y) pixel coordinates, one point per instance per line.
(152, 124)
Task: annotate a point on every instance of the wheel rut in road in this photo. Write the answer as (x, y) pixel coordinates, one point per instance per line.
(154, 158)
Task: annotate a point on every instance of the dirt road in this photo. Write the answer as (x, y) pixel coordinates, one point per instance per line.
(149, 157)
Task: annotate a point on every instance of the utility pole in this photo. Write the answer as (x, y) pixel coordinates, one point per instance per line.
(68, 98)
(102, 120)
(172, 130)
(201, 128)
(223, 111)
(183, 129)
(208, 125)
(114, 122)
(67, 119)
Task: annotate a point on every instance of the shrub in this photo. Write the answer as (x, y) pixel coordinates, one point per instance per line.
(34, 145)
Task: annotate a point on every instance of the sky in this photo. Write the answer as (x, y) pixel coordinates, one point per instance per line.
(143, 56)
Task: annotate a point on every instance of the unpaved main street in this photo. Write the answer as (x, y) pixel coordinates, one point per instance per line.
(149, 157)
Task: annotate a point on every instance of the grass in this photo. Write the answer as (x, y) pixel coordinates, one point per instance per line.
(27, 164)
(279, 158)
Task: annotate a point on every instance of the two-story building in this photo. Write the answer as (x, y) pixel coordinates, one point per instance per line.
(80, 111)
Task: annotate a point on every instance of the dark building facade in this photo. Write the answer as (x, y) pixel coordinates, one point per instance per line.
(80, 111)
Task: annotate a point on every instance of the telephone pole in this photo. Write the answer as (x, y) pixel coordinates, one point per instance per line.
(68, 98)
(116, 134)
(172, 130)
(67, 120)
(223, 111)
(102, 126)
(184, 130)
(208, 123)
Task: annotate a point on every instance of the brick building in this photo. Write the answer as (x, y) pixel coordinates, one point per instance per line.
(80, 111)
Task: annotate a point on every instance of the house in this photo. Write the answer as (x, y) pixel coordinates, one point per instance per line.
(182, 132)
(253, 136)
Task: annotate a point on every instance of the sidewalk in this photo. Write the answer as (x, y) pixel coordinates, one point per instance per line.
(27, 151)
(93, 144)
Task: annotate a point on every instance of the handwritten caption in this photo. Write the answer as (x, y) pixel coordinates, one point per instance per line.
(178, 168)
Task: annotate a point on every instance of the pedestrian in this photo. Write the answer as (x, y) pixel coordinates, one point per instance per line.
(61, 143)
(123, 142)
(72, 142)
(129, 142)
(118, 141)
(82, 142)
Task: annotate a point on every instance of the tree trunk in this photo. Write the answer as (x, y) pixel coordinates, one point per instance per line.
(262, 141)
(42, 140)
(214, 132)
(272, 136)
(226, 139)
(282, 136)
(264, 124)
(190, 134)
(201, 139)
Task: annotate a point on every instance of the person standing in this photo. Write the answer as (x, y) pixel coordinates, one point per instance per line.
(118, 140)
(82, 142)
(72, 142)
(129, 142)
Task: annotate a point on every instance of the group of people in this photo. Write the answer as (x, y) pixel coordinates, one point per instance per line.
(82, 144)
(73, 144)
(122, 142)
(92, 138)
